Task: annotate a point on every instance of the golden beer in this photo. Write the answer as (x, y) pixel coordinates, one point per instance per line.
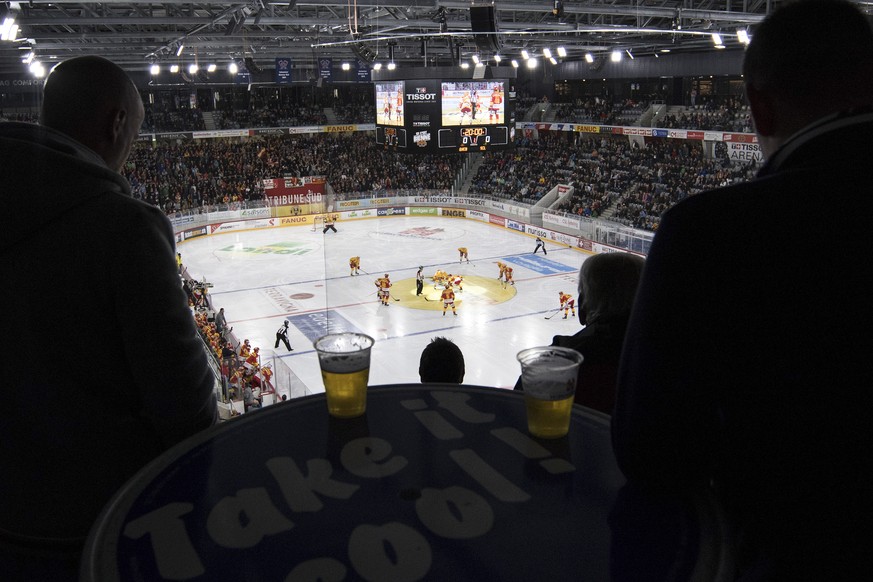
(344, 359)
(346, 393)
(548, 419)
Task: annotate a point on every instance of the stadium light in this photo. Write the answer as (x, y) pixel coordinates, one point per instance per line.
(37, 69)
(630, 54)
(232, 68)
(531, 63)
(525, 55)
(514, 63)
(179, 51)
(377, 67)
(174, 68)
(211, 68)
(743, 36)
(193, 68)
(562, 52)
(589, 58)
(497, 59)
(615, 57)
(346, 66)
(155, 69)
(391, 66)
(553, 60)
(475, 59)
(716, 39)
(8, 30)
(547, 53)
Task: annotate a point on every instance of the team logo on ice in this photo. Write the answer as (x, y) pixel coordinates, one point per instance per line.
(421, 231)
(421, 138)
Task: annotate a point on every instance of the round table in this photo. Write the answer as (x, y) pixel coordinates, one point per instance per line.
(434, 482)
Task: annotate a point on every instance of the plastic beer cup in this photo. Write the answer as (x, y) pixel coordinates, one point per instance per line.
(345, 369)
(548, 378)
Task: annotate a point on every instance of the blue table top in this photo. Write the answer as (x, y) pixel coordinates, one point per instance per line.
(436, 482)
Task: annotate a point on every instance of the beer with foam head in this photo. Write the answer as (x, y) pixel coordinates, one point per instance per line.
(345, 369)
(548, 378)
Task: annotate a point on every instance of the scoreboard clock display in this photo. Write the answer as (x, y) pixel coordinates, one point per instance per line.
(445, 115)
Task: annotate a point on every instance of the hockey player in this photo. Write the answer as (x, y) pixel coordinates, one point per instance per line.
(567, 303)
(355, 266)
(253, 361)
(329, 220)
(448, 298)
(463, 252)
(383, 284)
(502, 267)
(507, 276)
(540, 245)
(440, 278)
(245, 349)
(457, 281)
(494, 105)
(465, 107)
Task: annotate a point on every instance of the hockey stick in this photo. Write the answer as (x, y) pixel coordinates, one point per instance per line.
(394, 298)
(553, 315)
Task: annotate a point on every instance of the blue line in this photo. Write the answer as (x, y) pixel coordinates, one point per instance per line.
(428, 331)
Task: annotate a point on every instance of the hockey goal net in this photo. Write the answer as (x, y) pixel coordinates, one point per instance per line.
(318, 222)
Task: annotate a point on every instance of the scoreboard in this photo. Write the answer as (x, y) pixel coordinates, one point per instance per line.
(445, 115)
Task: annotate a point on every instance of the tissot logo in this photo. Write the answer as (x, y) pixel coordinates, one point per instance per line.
(421, 96)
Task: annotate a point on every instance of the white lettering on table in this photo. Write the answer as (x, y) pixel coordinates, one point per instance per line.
(488, 477)
(393, 551)
(299, 489)
(361, 457)
(454, 513)
(175, 555)
(241, 521)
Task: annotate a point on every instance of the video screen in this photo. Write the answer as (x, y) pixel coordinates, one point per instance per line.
(473, 103)
(389, 103)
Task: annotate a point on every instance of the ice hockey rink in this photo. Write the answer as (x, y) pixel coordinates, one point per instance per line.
(263, 277)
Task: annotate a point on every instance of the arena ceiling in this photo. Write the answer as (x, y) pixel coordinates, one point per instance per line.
(137, 33)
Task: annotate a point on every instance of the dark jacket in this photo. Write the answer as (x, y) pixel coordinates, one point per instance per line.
(104, 366)
(747, 360)
(600, 345)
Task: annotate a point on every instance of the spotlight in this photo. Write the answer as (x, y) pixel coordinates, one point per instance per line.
(193, 68)
(743, 36)
(514, 63)
(615, 57)
(391, 66)
(562, 52)
(232, 68)
(630, 54)
(547, 53)
(525, 55)
(180, 49)
(716, 39)
(174, 68)
(589, 58)
(531, 63)
(346, 66)
(155, 69)
(211, 68)
(377, 67)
